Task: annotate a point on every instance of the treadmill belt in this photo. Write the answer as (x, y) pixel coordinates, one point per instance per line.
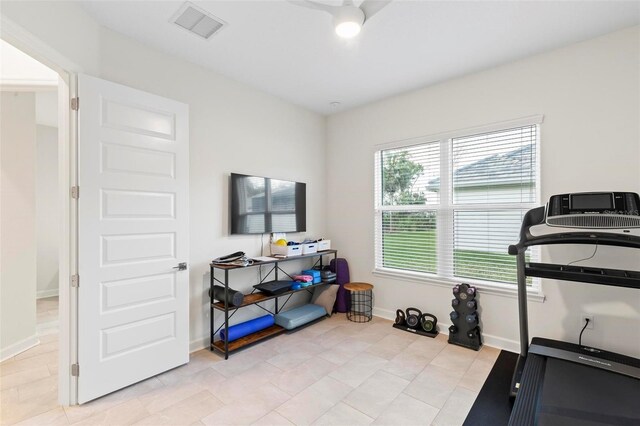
(576, 394)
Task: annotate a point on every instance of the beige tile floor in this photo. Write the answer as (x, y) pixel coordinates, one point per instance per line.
(47, 313)
(332, 373)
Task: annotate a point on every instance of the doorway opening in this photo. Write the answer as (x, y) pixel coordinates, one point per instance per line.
(34, 234)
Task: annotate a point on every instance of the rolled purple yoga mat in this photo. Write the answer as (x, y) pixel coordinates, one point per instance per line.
(245, 328)
(343, 298)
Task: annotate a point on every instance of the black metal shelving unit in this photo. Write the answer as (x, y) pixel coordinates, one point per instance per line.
(254, 298)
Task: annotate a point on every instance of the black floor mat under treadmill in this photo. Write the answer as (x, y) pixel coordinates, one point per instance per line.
(493, 406)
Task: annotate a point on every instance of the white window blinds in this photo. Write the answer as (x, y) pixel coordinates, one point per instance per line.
(408, 192)
(494, 168)
(452, 207)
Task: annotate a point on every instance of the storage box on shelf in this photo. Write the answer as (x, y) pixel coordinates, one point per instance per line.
(309, 248)
(288, 251)
(324, 245)
(254, 298)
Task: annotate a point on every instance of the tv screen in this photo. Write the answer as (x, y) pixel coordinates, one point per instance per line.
(261, 205)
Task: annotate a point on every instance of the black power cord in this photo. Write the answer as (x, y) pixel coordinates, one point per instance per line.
(586, 258)
(582, 331)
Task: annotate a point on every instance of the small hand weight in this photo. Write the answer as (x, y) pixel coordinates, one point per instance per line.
(453, 329)
(428, 322)
(455, 302)
(472, 319)
(471, 304)
(413, 317)
(471, 293)
(471, 334)
(453, 315)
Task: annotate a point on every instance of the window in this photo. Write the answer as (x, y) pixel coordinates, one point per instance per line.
(450, 207)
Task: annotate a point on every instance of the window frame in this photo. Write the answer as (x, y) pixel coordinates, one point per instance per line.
(446, 207)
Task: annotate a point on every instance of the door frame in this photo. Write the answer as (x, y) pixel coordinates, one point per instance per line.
(68, 207)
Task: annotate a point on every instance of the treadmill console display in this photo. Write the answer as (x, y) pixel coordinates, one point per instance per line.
(594, 210)
(591, 202)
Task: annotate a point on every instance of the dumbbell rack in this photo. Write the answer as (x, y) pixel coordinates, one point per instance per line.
(465, 328)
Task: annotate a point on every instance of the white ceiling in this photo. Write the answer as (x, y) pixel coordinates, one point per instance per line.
(293, 52)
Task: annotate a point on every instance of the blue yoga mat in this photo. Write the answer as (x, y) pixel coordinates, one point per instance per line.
(245, 328)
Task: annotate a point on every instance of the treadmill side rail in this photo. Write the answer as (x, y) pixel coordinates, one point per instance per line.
(526, 404)
(516, 379)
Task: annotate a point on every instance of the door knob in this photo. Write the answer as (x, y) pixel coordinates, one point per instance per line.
(182, 266)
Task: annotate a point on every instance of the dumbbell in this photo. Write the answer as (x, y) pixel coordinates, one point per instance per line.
(473, 333)
(453, 315)
(455, 302)
(471, 304)
(472, 319)
(456, 289)
(471, 293)
(453, 329)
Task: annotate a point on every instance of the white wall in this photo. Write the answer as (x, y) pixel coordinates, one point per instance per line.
(47, 209)
(16, 67)
(589, 94)
(233, 128)
(17, 223)
(62, 25)
(47, 107)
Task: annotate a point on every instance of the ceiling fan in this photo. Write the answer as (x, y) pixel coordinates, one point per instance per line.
(348, 18)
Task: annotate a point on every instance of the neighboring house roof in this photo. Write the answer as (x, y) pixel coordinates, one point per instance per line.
(513, 167)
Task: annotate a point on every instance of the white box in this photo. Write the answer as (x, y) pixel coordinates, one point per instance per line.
(309, 248)
(288, 251)
(324, 245)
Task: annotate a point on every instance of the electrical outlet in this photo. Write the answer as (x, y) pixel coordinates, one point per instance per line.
(583, 319)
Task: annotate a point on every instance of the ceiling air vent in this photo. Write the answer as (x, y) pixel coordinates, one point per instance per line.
(197, 21)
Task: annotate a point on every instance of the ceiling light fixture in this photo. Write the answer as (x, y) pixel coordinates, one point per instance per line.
(347, 18)
(348, 21)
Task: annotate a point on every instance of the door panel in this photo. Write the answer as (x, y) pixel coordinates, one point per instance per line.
(133, 230)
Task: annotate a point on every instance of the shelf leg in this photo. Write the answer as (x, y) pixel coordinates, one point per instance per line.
(226, 314)
(211, 310)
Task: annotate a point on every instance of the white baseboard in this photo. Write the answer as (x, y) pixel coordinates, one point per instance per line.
(384, 313)
(19, 347)
(487, 339)
(199, 344)
(41, 294)
(501, 343)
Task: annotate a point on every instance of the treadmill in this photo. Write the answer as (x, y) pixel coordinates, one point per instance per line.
(561, 383)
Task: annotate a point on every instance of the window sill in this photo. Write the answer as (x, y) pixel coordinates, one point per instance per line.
(533, 294)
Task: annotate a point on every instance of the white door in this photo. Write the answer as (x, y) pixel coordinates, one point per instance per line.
(133, 304)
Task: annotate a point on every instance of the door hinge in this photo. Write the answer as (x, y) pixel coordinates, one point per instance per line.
(75, 103)
(75, 192)
(75, 370)
(75, 280)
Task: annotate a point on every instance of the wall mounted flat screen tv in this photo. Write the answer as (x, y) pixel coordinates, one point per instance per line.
(261, 205)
